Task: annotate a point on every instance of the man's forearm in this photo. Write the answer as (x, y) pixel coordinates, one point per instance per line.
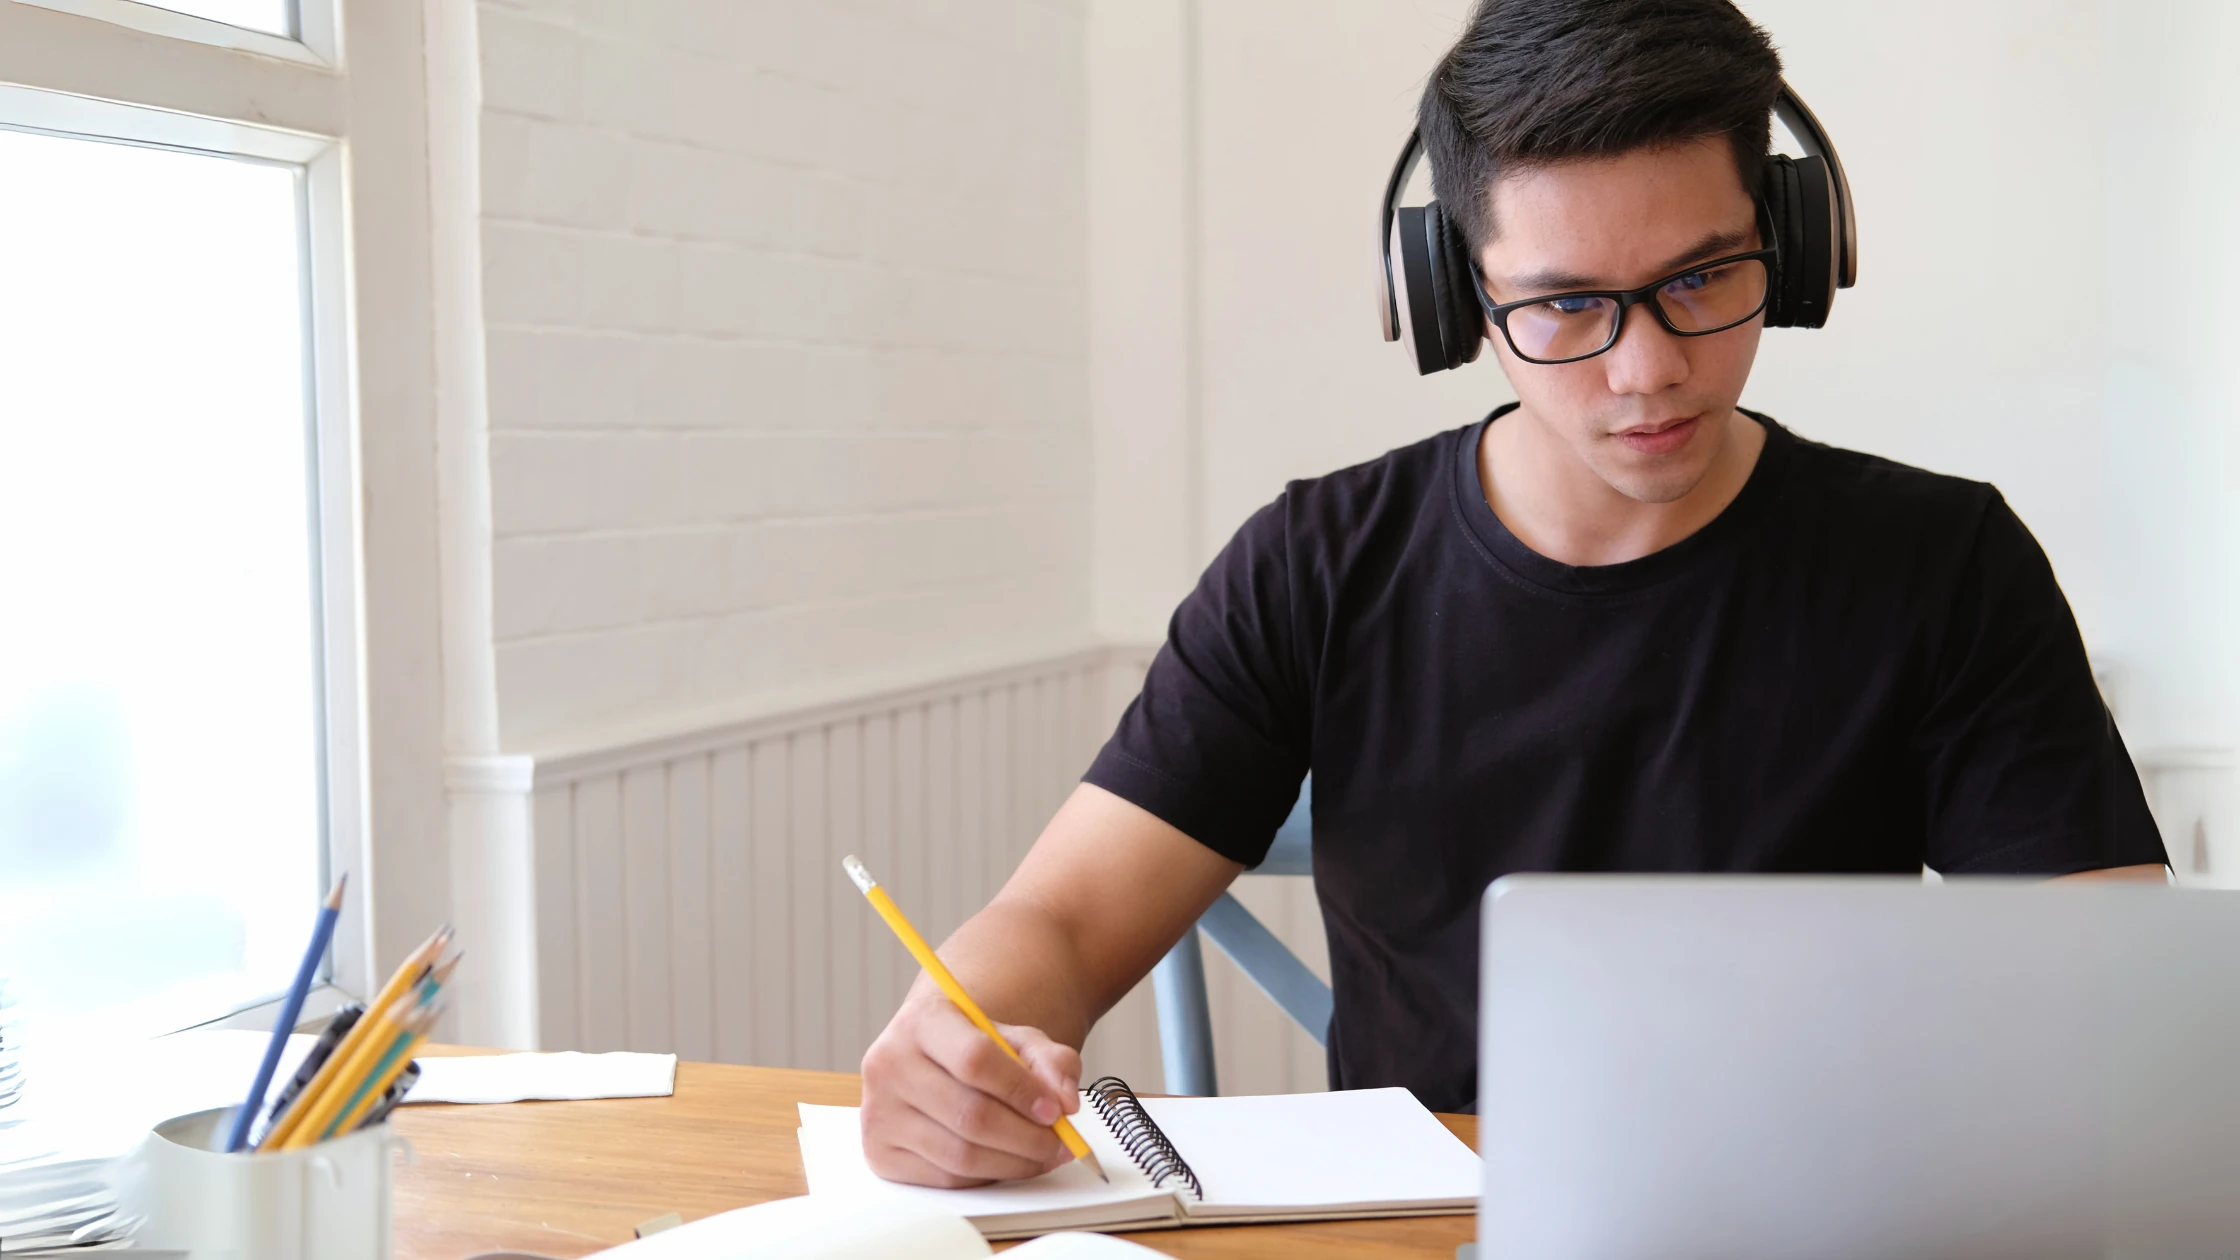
(1019, 964)
(1104, 892)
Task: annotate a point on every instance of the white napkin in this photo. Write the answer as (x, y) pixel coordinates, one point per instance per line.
(570, 1074)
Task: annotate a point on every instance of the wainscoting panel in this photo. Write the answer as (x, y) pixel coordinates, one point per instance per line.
(689, 893)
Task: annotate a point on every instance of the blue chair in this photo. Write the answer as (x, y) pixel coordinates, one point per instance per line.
(1178, 983)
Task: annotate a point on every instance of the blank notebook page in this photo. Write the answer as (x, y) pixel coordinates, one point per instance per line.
(832, 1156)
(1362, 1150)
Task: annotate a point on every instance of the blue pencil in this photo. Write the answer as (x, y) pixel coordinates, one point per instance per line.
(321, 933)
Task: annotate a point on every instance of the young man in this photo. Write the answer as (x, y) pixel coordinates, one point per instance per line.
(1622, 625)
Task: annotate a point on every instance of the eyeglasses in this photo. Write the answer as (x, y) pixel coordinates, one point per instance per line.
(1567, 327)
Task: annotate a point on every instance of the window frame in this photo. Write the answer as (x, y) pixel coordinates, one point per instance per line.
(137, 74)
(311, 43)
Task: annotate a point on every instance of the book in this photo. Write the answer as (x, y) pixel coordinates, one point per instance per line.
(1192, 1161)
(811, 1228)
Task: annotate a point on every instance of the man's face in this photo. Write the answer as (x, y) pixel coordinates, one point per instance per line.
(1650, 414)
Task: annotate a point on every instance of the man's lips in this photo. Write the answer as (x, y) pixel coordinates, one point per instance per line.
(1659, 437)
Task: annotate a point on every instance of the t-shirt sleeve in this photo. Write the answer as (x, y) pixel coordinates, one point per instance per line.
(1217, 741)
(2025, 771)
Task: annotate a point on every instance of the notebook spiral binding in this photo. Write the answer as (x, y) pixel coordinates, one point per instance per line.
(1139, 1135)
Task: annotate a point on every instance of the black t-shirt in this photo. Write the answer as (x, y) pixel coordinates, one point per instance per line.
(1857, 667)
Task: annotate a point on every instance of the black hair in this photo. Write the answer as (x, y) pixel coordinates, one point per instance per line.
(1537, 82)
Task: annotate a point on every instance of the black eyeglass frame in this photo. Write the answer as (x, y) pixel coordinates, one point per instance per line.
(1498, 313)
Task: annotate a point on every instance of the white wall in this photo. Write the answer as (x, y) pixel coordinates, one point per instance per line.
(786, 351)
(2045, 197)
(1143, 408)
(1233, 329)
(2173, 130)
(2044, 211)
(1304, 107)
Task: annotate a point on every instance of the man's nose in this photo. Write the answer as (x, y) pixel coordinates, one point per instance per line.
(1647, 358)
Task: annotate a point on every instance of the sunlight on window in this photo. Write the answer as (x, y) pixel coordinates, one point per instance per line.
(159, 802)
(276, 16)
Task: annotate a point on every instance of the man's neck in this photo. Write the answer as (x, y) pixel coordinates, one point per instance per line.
(1559, 507)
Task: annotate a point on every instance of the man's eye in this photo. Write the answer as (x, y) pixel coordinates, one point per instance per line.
(1575, 305)
(1691, 282)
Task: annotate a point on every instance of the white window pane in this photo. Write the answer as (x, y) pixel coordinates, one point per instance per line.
(159, 793)
(276, 16)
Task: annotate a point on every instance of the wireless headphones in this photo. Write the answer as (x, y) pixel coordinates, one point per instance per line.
(1805, 204)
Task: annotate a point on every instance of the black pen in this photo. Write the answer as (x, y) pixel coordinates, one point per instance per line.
(398, 1088)
(337, 1028)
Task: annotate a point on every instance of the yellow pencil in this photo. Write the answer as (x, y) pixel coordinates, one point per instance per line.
(927, 959)
(415, 967)
(312, 1114)
(307, 1121)
(318, 1120)
(409, 973)
(387, 1069)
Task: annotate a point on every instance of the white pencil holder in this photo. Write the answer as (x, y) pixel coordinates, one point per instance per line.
(329, 1201)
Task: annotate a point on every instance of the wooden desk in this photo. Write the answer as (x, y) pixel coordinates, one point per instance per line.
(568, 1178)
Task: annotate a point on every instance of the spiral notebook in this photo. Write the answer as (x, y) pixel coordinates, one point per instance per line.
(1195, 1161)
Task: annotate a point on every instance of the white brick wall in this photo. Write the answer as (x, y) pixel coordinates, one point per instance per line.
(786, 346)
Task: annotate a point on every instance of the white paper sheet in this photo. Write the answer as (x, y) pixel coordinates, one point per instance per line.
(827, 1227)
(807, 1228)
(110, 1094)
(503, 1078)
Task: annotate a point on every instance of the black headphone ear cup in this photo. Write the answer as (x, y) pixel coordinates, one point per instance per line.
(1816, 241)
(1461, 325)
(1799, 200)
(1418, 303)
(1778, 199)
(1442, 323)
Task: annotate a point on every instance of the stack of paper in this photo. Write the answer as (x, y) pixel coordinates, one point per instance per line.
(11, 1060)
(50, 1196)
(49, 1200)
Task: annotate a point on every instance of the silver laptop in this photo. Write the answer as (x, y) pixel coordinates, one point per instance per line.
(1786, 1067)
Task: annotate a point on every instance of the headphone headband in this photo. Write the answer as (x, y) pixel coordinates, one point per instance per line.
(1843, 232)
(1813, 138)
(1388, 299)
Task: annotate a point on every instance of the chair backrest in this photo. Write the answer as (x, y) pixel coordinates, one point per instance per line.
(1179, 981)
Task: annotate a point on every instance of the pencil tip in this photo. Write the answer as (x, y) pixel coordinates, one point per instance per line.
(440, 974)
(334, 899)
(1091, 1160)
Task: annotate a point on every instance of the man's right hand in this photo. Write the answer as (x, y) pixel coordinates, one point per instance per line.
(945, 1106)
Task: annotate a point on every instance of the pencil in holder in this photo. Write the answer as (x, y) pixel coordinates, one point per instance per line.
(326, 1201)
